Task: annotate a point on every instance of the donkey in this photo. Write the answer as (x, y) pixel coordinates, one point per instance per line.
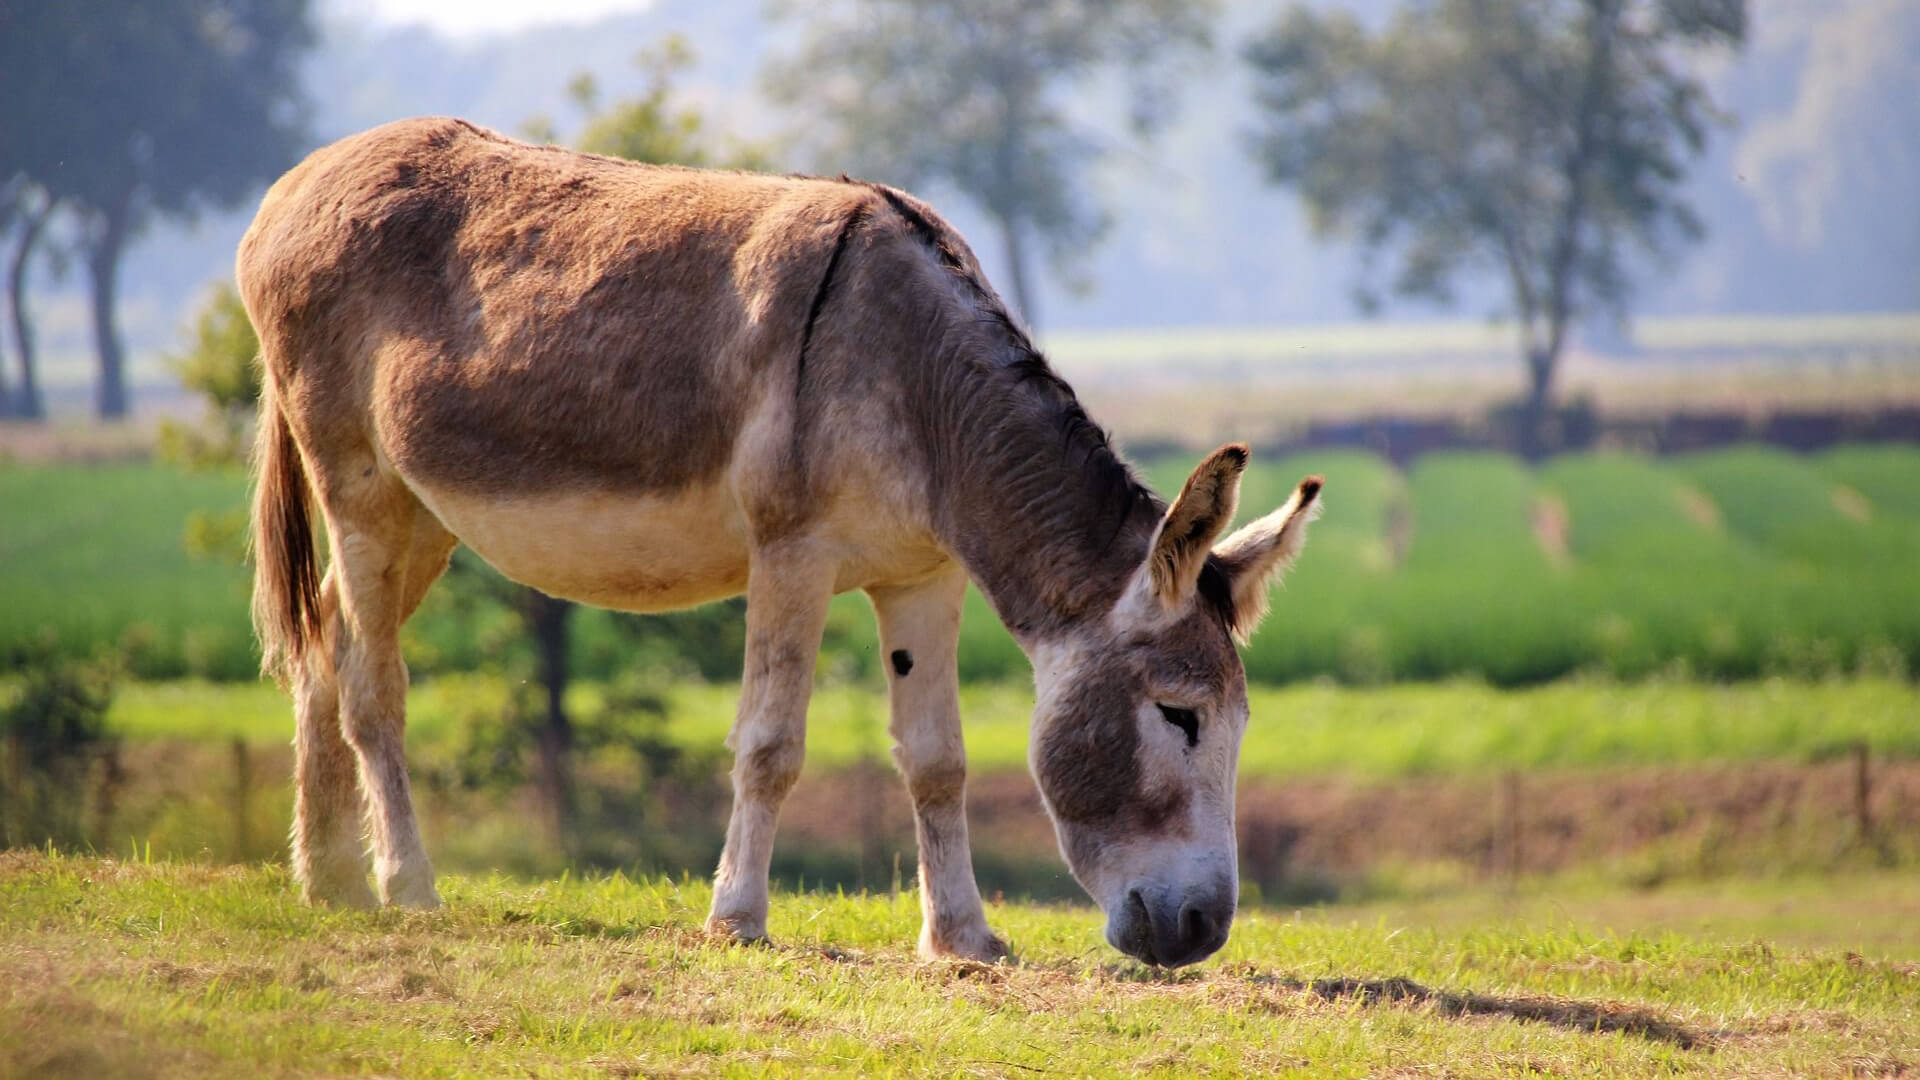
(647, 388)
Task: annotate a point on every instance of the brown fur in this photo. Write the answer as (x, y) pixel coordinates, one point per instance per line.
(646, 387)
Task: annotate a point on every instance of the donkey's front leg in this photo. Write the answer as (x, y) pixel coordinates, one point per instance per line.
(919, 632)
(787, 594)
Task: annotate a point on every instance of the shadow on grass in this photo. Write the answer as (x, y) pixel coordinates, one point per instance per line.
(1560, 1012)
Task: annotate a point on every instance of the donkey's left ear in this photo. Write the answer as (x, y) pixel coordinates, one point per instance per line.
(1201, 513)
(1256, 554)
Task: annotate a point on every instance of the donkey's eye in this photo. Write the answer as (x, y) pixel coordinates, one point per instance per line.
(1185, 720)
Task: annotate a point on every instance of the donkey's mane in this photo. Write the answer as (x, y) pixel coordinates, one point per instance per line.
(1023, 427)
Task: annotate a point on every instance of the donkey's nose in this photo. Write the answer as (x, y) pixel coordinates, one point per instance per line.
(1197, 934)
(1203, 929)
(1175, 932)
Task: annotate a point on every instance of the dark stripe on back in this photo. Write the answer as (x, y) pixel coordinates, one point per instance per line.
(853, 221)
(929, 235)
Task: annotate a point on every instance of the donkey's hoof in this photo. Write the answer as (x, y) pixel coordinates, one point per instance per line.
(345, 890)
(738, 929)
(429, 900)
(412, 891)
(979, 944)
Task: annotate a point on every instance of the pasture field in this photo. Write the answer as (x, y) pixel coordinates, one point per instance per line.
(1730, 564)
(162, 970)
(1382, 733)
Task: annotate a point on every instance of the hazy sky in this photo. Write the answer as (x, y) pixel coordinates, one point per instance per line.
(462, 17)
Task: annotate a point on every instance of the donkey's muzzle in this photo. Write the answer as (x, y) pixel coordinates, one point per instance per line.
(1171, 930)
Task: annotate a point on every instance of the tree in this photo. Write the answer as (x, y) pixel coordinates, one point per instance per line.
(1542, 141)
(972, 93)
(141, 107)
(650, 128)
(34, 214)
(220, 365)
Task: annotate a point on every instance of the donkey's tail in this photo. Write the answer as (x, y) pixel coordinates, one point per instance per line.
(286, 571)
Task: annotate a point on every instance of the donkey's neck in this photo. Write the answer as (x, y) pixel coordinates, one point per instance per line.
(1047, 519)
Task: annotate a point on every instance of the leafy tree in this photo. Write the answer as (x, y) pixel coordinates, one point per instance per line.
(973, 94)
(650, 128)
(1539, 141)
(220, 366)
(141, 107)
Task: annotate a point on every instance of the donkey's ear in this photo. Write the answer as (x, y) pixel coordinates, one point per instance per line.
(1256, 554)
(1201, 513)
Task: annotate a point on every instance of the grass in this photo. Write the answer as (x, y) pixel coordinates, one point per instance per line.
(95, 556)
(111, 968)
(1299, 731)
(1732, 564)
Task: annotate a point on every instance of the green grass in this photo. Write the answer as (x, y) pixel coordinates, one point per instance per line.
(1300, 731)
(1889, 476)
(109, 968)
(95, 556)
(1733, 564)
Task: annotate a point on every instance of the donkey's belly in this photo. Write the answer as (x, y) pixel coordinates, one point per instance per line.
(630, 552)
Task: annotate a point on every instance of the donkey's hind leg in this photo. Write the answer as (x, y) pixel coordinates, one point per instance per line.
(386, 550)
(329, 816)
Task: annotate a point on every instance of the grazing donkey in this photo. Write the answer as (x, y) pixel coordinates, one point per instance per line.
(647, 388)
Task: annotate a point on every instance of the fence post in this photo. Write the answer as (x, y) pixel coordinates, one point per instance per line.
(242, 800)
(1862, 795)
(1513, 827)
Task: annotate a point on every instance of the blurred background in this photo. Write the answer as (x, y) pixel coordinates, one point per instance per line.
(1600, 317)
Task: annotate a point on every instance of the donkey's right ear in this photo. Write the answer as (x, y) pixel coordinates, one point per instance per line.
(1257, 554)
(1186, 535)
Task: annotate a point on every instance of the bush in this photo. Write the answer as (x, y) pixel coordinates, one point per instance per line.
(52, 731)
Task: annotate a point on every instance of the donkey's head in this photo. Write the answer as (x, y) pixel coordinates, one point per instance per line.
(1137, 729)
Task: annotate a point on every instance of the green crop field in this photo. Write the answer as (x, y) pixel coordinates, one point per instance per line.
(1731, 564)
(160, 970)
(1380, 733)
(1728, 565)
(96, 556)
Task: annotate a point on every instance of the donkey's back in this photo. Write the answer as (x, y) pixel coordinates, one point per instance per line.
(585, 369)
(525, 318)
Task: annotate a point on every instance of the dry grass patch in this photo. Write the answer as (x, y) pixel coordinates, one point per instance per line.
(167, 970)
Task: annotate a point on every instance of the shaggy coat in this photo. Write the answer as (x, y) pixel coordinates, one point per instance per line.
(648, 387)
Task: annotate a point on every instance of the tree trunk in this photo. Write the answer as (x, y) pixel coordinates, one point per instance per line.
(103, 265)
(27, 404)
(1534, 411)
(6, 391)
(1017, 271)
(550, 620)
